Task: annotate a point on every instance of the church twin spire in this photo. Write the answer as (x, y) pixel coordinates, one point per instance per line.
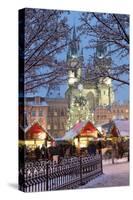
(74, 48)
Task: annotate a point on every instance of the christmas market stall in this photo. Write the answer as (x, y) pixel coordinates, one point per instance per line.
(82, 134)
(36, 136)
(123, 127)
(116, 128)
(117, 137)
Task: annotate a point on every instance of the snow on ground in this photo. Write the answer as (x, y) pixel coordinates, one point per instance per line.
(113, 175)
(109, 161)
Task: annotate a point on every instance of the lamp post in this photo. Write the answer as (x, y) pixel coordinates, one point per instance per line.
(100, 153)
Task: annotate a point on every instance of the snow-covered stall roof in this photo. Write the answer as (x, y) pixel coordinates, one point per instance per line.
(69, 135)
(79, 128)
(35, 130)
(119, 127)
(123, 127)
(107, 127)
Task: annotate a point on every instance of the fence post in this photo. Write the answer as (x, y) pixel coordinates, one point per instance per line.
(47, 165)
(113, 155)
(128, 156)
(100, 154)
(101, 158)
(80, 161)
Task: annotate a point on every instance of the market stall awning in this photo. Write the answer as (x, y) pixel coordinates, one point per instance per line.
(83, 129)
(116, 128)
(114, 131)
(69, 135)
(123, 127)
(89, 130)
(36, 131)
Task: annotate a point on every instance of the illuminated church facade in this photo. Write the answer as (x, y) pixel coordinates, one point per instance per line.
(84, 94)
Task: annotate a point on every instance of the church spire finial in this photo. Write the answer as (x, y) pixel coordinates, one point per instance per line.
(74, 46)
(101, 49)
(82, 51)
(74, 33)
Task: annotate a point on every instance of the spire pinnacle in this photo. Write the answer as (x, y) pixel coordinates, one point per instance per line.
(101, 49)
(74, 33)
(74, 47)
(82, 51)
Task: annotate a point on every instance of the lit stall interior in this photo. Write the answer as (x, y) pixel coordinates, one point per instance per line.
(88, 133)
(36, 136)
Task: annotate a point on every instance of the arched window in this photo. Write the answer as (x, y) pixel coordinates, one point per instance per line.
(55, 111)
(91, 100)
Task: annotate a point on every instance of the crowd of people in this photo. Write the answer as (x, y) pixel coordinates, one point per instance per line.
(29, 153)
(68, 150)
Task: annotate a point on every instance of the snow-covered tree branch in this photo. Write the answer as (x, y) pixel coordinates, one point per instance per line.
(111, 30)
(46, 37)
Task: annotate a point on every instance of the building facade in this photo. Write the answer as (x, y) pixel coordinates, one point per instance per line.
(57, 116)
(84, 94)
(104, 114)
(51, 113)
(36, 109)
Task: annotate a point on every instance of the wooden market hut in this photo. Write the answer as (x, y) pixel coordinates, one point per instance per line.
(82, 133)
(116, 128)
(117, 136)
(36, 135)
(123, 127)
(87, 134)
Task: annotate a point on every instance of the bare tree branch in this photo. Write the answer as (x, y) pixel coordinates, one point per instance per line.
(113, 31)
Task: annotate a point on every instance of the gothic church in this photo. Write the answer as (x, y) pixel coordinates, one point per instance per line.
(84, 96)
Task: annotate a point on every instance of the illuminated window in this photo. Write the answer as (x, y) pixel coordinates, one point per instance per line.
(33, 113)
(114, 117)
(48, 144)
(55, 127)
(40, 113)
(55, 113)
(48, 127)
(83, 142)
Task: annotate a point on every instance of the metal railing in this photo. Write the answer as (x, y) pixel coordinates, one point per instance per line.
(68, 174)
